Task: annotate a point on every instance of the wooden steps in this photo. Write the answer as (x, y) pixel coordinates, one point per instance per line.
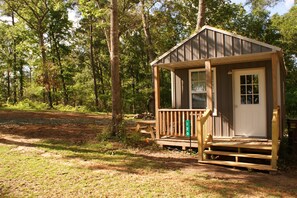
(233, 154)
(250, 145)
(245, 154)
(239, 164)
(250, 153)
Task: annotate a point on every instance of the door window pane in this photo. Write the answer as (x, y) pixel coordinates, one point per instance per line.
(242, 80)
(256, 99)
(242, 89)
(249, 89)
(249, 99)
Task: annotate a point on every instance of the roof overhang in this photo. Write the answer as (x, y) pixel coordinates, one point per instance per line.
(219, 61)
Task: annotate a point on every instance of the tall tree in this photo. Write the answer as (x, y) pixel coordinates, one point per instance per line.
(35, 14)
(201, 14)
(59, 32)
(115, 69)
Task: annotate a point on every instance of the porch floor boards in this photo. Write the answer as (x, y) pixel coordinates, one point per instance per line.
(250, 153)
(234, 154)
(239, 164)
(252, 143)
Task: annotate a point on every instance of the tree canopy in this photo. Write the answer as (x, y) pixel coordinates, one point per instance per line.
(46, 56)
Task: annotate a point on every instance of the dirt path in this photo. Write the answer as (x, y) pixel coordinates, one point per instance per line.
(24, 128)
(52, 125)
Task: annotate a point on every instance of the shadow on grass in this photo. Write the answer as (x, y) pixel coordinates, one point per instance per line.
(121, 160)
(226, 182)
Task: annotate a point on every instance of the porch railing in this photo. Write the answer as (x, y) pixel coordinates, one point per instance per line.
(172, 122)
(204, 130)
(275, 136)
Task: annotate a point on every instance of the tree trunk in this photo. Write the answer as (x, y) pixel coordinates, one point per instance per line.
(21, 82)
(93, 65)
(65, 92)
(8, 83)
(14, 65)
(151, 54)
(46, 81)
(147, 33)
(115, 70)
(201, 15)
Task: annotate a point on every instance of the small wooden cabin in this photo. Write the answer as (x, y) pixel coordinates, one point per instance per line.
(231, 88)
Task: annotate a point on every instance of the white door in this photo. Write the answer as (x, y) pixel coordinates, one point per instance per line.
(249, 101)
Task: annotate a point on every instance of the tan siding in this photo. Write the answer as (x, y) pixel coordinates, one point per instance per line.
(265, 49)
(224, 120)
(236, 46)
(203, 45)
(211, 44)
(181, 54)
(173, 56)
(246, 47)
(188, 51)
(228, 45)
(182, 89)
(167, 59)
(160, 61)
(195, 48)
(220, 44)
(256, 48)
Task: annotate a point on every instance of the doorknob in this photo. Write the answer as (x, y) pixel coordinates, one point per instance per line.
(235, 106)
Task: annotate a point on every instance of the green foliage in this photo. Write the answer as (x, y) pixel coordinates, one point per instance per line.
(286, 26)
(71, 76)
(27, 104)
(68, 108)
(287, 156)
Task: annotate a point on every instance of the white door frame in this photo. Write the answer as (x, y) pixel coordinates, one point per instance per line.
(249, 114)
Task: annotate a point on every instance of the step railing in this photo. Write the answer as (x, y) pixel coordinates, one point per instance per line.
(204, 130)
(275, 137)
(172, 122)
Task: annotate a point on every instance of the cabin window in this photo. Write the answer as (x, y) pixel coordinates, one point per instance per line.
(198, 95)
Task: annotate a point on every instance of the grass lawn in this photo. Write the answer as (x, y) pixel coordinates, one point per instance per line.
(59, 167)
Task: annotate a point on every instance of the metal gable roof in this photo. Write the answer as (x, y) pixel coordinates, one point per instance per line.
(211, 42)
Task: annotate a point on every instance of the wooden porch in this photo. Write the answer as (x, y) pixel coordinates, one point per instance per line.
(251, 153)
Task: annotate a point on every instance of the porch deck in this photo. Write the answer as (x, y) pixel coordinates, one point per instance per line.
(251, 153)
(254, 153)
(185, 142)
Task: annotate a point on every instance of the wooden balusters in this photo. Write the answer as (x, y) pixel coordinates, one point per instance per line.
(172, 121)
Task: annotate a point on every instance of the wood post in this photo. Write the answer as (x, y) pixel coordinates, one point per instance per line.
(200, 139)
(275, 136)
(275, 64)
(276, 111)
(157, 99)
(209, 92)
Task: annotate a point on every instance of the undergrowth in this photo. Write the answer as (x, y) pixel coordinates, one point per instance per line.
(29, 105)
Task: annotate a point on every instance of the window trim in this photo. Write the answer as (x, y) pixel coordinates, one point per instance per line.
(214, 88)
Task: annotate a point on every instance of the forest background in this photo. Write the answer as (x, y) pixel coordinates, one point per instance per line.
(49, 60)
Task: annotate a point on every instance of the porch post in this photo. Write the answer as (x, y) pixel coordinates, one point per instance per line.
(209, 92)
(275, 64)
(276, 111)
(157, 98)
